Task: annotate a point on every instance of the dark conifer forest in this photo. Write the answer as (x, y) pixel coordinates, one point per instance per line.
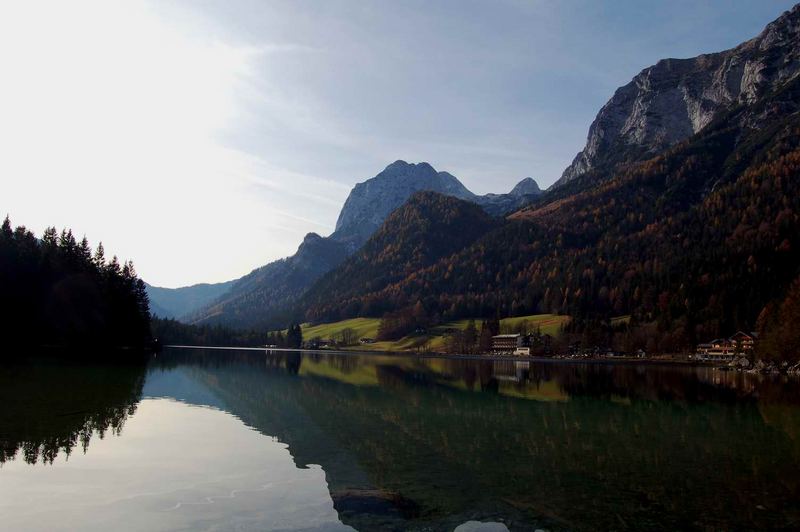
(59, 293)
(169, 331)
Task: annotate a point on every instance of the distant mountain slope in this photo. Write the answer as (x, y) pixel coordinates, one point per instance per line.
(158, 310)
(424, 229)
(266, 295)
(522, 194)
(178, 302)
(676, 98)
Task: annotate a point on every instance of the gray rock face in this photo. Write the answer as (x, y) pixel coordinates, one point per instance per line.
(370, 202)
(676, 98)
(526, 187)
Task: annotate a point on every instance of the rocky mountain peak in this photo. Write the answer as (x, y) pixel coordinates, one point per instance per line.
(401, 168)
(675, 98)
(311, 237)
(781, 31)
(371, 201)
(526, 187)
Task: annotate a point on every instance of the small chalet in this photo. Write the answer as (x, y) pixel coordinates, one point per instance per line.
(743, 341)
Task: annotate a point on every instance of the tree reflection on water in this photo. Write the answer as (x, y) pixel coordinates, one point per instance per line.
(50, 408)
(429, 443)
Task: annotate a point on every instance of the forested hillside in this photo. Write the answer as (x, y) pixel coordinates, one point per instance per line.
(680, 215)
(426, 228)
(693, 243)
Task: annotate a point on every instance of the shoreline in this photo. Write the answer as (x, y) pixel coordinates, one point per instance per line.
(455, 356)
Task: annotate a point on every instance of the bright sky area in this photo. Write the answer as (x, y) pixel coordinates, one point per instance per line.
(202, 139)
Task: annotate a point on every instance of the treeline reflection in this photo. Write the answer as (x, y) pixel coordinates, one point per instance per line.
(49, 408)
(518, 378)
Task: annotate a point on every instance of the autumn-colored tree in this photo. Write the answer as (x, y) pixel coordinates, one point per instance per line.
(779, 333)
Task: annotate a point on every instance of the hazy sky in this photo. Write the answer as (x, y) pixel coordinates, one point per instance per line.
(204, 139)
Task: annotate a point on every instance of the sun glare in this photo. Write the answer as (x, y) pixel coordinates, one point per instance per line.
(105, 97)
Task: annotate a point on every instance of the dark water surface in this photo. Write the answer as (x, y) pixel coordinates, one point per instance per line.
(247, 440)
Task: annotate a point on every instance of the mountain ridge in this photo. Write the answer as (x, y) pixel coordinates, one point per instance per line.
(278, 284)
(172, 302)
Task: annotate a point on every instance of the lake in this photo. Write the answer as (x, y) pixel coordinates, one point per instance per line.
(250, 440)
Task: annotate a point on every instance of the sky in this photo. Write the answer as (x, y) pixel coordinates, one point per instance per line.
(202, 139)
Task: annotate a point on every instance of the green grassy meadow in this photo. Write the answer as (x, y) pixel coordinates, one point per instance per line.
(434, 338)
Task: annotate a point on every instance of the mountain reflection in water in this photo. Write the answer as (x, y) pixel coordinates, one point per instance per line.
(431, 443)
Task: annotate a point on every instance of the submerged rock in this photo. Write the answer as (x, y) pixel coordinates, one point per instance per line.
(478, 526)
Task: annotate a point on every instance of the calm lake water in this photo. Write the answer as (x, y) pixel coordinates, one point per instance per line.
(248, 440)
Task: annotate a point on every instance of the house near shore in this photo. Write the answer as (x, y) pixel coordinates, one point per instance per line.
(521, 344)
(744, 342)
(727, 349)
(506, 344)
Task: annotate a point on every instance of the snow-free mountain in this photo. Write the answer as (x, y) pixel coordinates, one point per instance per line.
(691, 243)
(676, 98)
(265, 294)
(370, 202)
(173, 302)
(694, 237)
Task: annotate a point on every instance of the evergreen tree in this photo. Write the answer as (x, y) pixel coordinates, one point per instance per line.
(485, 339)
(470, 337)
(85, 251)
(294, 337)
(99, 257)
(50, 238)
(6, 233)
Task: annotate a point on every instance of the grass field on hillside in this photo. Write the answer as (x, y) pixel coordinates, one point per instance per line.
(363, 327)
(434, 338)
(548, 323)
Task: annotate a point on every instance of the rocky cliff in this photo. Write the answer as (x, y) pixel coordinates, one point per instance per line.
(676, 98)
